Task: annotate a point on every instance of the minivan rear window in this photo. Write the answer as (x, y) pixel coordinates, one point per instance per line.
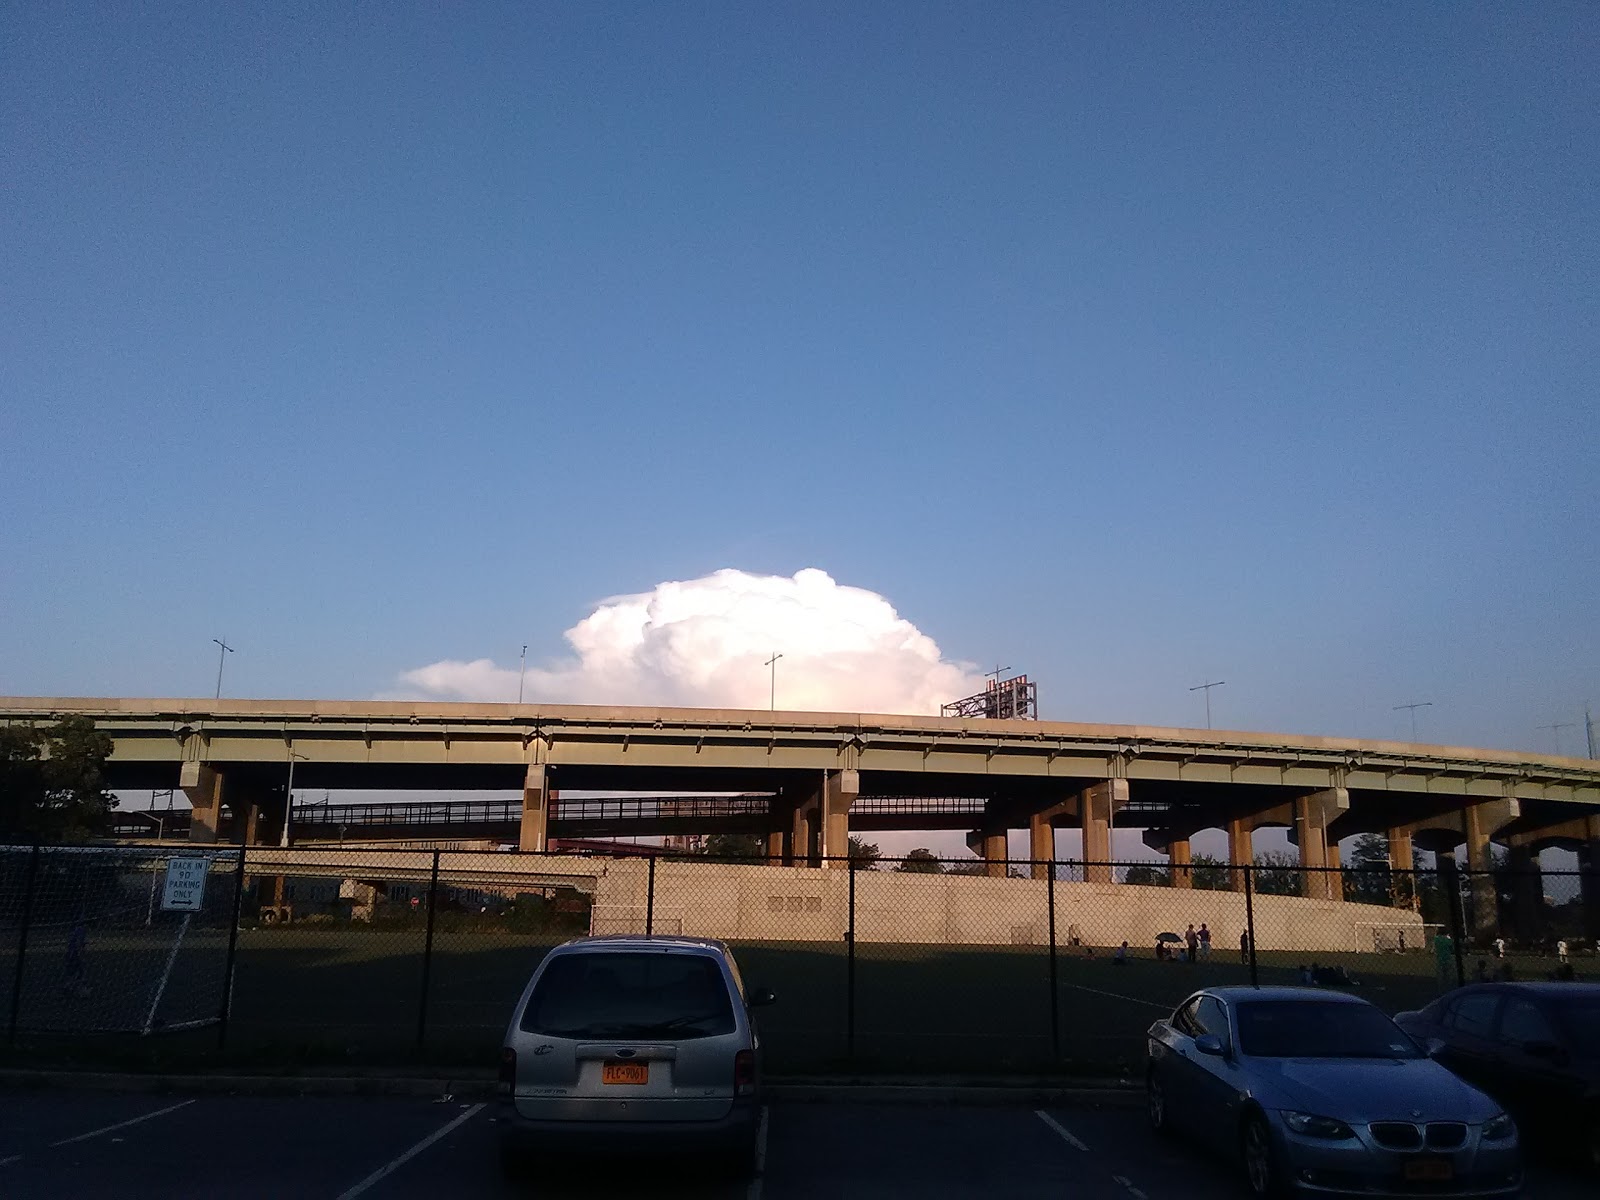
(616, 994)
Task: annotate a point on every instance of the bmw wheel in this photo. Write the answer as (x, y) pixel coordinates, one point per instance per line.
(1260, 1163)
(1155, 1102)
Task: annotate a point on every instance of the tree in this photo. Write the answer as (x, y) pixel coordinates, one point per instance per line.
(1208, 873)
(51, 780)
(1367, 877)
(1277, 873)
(864, 855)
(921, 862)
(738, 846)
(1146, 875)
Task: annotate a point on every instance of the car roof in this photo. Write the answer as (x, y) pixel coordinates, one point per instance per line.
(1234, 992)
(1549, 988)
(639, 941)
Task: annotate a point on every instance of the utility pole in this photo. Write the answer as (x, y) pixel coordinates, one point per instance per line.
(222, 657)
(1206, 688)
(522, 673)
(1413, 708)
(1555, 729)
(1588, 729)
(772, 697)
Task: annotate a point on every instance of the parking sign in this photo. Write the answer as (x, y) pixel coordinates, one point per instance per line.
(186, 884)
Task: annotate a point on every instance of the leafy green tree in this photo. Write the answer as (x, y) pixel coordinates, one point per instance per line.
(52, 780)
(1367, 877)
(1208, 873)
(921, 862)
(1277, 873)
(864, 855)
(1148, 875)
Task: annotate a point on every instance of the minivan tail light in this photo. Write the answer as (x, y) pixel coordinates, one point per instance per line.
(744, 1073)
(508, 1072)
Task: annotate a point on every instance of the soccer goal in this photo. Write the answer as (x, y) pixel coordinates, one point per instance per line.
(116, 939)
(1397, 937)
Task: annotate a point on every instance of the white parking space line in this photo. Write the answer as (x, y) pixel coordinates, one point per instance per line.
(94, 1133)
(390, 1168)
(1120, 996)
(1065, 1133)
(1132, 1191)
(753, 1192)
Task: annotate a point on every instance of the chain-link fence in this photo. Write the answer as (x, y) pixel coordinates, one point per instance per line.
(115, 940)
(939, 965)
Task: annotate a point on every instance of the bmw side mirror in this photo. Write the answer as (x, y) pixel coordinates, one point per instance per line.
(1209, 1043)
(762, 997)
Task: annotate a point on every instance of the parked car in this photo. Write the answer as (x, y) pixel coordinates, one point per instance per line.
(632, 1043)
(1320, 1092)
(1535, 1047)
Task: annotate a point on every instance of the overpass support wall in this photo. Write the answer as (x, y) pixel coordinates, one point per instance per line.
(537, 794)
(1098, 805)
(1481, 822)
(839, 792)
(1178, 859)
(1042, 834)
(203, 786)
(1241, 850)
(1589, 878)
(1402, 862)
(989, 843)
(1312, 816)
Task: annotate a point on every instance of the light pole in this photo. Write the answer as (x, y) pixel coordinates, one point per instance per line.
(1413, 708)
(1555, 730)
(522, 674)
(288, 801)
(222, 657)
(772, 694)
(155, 875)
(1206, 688)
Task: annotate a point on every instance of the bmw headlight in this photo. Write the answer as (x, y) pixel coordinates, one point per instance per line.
(1498, 1129)
(1310, 1125)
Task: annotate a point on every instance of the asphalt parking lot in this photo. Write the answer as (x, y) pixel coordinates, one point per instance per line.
(60, 1145)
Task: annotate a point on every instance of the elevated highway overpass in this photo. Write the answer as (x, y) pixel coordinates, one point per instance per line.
(815, 776)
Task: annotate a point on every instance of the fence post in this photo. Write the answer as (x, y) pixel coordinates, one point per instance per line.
(850, 970)
(1250, 921)
(650, 899)
(1055, 988)
(22, 941)
(427, 954)
(233, 951)
(1450, 878)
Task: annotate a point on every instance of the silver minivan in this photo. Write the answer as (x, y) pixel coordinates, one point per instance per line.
(631, 1043)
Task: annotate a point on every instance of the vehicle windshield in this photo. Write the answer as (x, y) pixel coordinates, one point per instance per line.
(614, 994)
(1320, 1029)
(1580, 1021)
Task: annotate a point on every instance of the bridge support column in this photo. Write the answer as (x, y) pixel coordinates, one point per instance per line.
(1527, 892)
(1041, 845)
(778, 848)
(1589, 877)
(1481, 822)
(263, 818)
(1098, 805)
(1403, 891)
(989, 844)
(804, 795)
(1241, 850)
(203, 787)
(1312, 815)
(1178, 860)
(536, 797)
(839, 792)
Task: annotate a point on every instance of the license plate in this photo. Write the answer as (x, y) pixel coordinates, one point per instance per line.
(634, 1073)
(1432, 1169)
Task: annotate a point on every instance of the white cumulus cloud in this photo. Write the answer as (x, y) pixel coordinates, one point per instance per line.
(704, 642)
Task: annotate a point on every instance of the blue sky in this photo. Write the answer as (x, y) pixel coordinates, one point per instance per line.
(1130, 345)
